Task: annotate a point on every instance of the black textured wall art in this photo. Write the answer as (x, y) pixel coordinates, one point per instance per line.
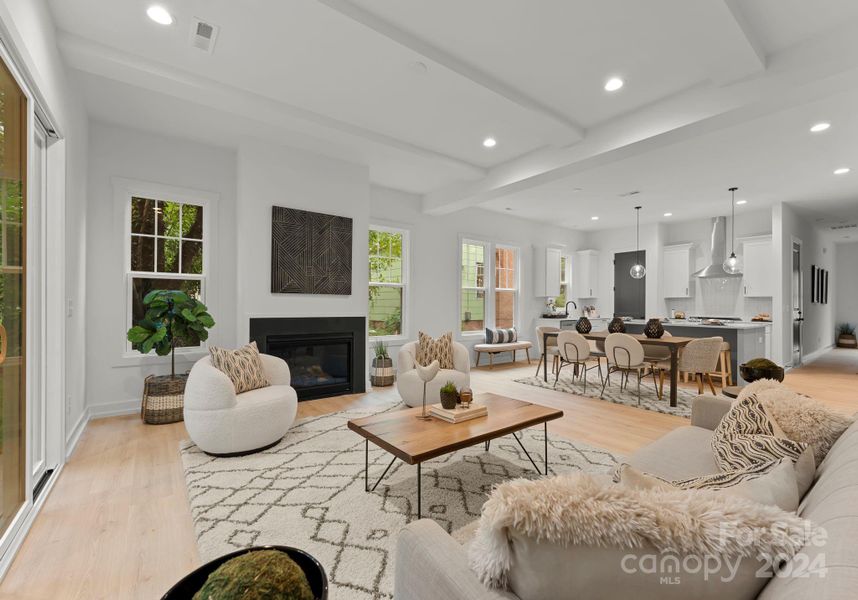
(311, 253)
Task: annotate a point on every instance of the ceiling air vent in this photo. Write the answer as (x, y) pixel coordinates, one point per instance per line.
(632, 193)
(203, 35)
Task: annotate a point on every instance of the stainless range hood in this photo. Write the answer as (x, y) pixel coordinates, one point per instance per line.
(718, 252)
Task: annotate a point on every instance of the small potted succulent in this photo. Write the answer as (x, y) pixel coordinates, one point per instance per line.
(846, 336)
(449, 395)
(381, 374)
(761, 368)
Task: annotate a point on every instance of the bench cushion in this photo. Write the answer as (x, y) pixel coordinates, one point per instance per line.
(508, 347)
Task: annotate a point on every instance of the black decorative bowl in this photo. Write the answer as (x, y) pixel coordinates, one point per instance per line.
(751, 374)
(191, 583)
(616, 326)
(654, 329)
(583, 325)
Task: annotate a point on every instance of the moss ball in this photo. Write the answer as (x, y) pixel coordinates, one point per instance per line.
(760, 363)
(259, 575)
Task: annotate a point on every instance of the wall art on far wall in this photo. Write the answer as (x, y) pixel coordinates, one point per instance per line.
(825, 290)
(311, 253)
(813, 294)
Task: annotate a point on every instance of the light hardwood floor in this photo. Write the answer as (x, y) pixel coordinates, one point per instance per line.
(117, 524)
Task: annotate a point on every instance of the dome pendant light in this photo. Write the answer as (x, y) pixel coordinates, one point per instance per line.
(638, 271)
(732, 265)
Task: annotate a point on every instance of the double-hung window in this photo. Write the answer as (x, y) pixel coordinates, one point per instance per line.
(487, 267)
(166, 240)
(388, 281)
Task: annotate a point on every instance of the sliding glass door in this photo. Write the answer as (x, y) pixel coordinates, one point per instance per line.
(13, 168)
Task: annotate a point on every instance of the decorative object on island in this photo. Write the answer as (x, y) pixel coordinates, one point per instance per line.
(426, 375)
(466, 396)
(449, 395)
(761, 368)
(846, 336)
(654, 329)
(311, 253)
(617, 325)
(638, 271)
(583, 325)
(732, 265)
(678, 314)
(381, 374)
(255, 573)
(172, 318)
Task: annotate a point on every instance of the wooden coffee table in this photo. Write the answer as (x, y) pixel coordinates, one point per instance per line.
(415, 441)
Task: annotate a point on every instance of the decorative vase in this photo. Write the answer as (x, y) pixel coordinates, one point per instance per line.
(654, 328)
(449, 400)
(583, 325)
(617, 325)
(382, 372)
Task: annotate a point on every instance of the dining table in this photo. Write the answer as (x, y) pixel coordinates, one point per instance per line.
(673, 344)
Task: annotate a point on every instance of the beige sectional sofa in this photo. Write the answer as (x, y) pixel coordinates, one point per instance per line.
(430, 564)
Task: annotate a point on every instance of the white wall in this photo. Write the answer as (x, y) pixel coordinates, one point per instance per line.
(844, 288)
(115, 381)
(435, 270)
(818, 328)
(271, 175)
(29, 32)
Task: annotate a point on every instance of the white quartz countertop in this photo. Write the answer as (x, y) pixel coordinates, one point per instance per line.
(727, 324)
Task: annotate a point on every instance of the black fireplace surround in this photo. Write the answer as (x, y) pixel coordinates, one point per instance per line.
(326, 355)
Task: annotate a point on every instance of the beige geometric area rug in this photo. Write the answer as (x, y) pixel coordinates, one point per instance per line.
(308, 492)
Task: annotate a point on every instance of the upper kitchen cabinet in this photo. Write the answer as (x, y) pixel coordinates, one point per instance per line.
(546, 269)
(586, 274)
(757, 272)
(677, 271)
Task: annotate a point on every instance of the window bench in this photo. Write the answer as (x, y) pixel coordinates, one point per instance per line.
(492, 349)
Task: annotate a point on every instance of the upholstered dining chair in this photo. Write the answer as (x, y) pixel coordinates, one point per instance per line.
(552, 347)
(655, 355)
(574, 350)
(699, 357)
(624, 355)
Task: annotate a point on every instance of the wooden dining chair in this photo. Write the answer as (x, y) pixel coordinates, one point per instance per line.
(699, 357)
(551, 347)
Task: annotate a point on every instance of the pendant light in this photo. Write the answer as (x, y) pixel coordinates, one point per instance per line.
(638, 271)
(732, 265)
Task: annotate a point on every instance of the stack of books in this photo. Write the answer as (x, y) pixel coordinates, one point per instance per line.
(458, 414)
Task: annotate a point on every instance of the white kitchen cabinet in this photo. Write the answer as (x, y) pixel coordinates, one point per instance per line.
(546, 271)
(677, 271)
(586, 274)
(758, 267)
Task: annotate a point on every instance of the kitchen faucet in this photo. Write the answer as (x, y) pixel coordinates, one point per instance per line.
(572, 302)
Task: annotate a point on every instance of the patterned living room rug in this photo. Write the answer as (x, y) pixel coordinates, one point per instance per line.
(628, 396)
(308, 492)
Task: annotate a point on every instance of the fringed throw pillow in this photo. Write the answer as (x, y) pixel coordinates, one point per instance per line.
(242, 366)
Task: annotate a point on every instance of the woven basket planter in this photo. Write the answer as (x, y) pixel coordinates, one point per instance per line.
(163, 399)
(382, 374)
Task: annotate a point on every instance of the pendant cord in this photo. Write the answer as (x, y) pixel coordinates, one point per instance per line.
(638, 235)
(733, 221)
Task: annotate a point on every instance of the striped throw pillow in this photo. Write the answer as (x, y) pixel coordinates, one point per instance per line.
(501, 336)
(242, 366)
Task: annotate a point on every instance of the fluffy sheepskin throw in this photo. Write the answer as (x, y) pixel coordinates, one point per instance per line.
(579, 509)
(801, 418)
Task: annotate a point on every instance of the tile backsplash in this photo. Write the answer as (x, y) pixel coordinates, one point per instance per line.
(719, 298)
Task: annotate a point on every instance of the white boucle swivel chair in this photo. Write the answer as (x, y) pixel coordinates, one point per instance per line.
(223, 423)
(410, 385)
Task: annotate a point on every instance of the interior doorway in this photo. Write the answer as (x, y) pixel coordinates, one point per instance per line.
(629, 293)
(797, 304)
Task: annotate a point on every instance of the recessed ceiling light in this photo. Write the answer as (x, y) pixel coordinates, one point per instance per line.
(668, 214)
(594, 218)
(509, 208)
(490, 142)
(841, 171)
(613, 84)
(741, 202)
(160, 15)
(820, 127)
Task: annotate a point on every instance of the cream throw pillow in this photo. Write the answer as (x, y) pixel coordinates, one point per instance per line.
(773, 483)
(242, 366)
(429, 349)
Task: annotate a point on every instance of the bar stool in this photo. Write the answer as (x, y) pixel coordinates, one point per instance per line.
(724, 370)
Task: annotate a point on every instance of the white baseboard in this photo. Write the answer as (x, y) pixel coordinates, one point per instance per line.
(77, 431)
(809, 358)
(113, 409)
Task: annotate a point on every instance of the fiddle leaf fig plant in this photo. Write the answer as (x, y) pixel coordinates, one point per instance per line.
(172, 317)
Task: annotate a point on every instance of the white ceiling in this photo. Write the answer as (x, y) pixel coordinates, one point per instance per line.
(718, 93)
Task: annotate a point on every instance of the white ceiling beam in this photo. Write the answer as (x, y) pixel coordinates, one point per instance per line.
(448, 61)
(796, 76)
(109, 62)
